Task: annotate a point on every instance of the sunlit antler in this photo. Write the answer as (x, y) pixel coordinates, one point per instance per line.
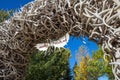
(45, 21)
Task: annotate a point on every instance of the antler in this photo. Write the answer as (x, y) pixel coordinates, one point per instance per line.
(44, 21)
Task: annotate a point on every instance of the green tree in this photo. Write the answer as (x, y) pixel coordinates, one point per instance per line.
(51, 66)
(80, 69)
(94, 67)
(5, 15)
(98, 66)
(76, 72)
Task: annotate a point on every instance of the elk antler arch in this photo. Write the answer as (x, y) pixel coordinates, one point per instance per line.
(43, 21)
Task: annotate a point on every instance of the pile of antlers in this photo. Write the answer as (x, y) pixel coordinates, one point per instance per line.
(43, 21)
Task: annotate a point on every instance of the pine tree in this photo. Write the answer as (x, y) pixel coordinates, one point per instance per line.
(51, 66)
(5, 15)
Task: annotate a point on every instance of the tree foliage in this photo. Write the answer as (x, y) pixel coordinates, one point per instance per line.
(5, 15)
(50, 66)
(98, 66)
(81, 69)
(76, 72)
(92, 68)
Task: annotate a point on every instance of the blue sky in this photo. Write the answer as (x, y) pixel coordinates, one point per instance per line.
(73, 44)
(12, 4)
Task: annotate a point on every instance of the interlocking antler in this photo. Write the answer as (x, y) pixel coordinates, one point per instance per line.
(43, 21)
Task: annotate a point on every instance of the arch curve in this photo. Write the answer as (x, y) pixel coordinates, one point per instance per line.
(43, 21)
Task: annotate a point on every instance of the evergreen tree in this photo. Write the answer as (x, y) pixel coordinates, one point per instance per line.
(5, 15)
(50, 65)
